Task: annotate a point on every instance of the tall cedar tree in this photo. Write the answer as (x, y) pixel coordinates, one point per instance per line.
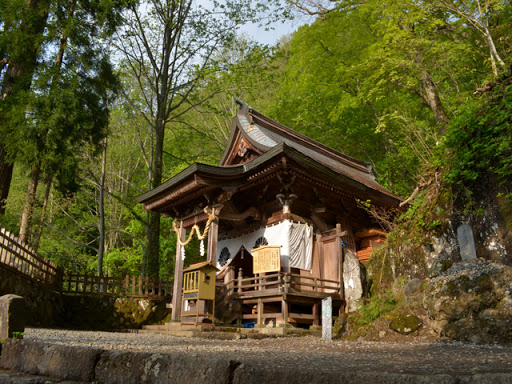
(23, 24)
(69, 110)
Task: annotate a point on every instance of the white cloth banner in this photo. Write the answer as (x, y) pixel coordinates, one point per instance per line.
(295, 239)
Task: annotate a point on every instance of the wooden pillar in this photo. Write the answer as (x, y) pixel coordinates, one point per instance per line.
(316, 314)
(178, 277)
(339, 250)
(213, 232)
(284, 311)
(260, 313)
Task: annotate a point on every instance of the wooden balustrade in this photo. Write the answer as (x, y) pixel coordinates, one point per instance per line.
(314, 284)
(129, 286)
(22, 259)
(285, 282)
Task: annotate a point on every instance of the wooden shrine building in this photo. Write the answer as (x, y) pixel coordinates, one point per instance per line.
(282, 216)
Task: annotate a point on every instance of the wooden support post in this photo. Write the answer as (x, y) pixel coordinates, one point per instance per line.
(316, 314)
(339, 248)
(213, 233)
(260, 313)
(284, 311)
(286, 282)
(178, 277)
(127, 284)
(197, 311)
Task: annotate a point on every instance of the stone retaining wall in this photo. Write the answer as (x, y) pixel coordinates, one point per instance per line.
(48, 308)
(44, 307)
(96, 365)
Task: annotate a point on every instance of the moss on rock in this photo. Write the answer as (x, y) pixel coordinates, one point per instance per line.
(405, 323)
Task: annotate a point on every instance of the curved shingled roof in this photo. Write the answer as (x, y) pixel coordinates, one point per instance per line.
(270, 140)
(264, 134)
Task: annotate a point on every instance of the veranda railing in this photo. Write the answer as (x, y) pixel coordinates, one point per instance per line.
(283, 282)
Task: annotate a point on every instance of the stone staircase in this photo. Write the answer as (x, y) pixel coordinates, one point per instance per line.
(225, 332)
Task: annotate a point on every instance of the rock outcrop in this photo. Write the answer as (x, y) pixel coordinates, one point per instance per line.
(472, 302)
(406, 323)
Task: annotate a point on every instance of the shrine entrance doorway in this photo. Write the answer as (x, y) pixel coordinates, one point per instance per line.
(243, 260)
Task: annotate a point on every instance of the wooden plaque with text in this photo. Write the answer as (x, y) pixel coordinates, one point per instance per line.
(266, 258)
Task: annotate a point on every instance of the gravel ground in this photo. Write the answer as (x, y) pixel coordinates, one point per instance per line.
(305, 352)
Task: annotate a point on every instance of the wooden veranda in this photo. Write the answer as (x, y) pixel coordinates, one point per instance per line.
(278, 298)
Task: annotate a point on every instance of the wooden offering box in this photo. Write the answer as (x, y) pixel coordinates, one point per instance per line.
(199, 292)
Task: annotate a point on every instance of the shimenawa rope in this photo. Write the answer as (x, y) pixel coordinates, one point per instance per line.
(196, 229)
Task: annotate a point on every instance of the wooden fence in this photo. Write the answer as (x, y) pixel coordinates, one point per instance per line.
(23, 260)
(117, 286)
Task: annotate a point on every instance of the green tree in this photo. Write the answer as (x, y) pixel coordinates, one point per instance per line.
(69, 108)
(22, 24)
(480, 17)
(379, 81)
(169, 48)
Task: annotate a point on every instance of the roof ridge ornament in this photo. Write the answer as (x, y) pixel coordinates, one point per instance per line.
(244, 108)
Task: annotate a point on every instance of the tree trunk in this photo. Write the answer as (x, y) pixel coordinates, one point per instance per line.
(6, 169)
(431, 98)
(153, 227)
(26, 217)
(35, 245)
(101, 246)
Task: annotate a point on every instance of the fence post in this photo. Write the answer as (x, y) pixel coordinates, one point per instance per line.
(126, 284)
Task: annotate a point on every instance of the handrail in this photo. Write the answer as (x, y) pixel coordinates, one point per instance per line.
(262, 277)
(286, 282)
(314, 278)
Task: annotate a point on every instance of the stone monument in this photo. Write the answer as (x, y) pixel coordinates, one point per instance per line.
(466, 242)
(12, 316)
(327, 318)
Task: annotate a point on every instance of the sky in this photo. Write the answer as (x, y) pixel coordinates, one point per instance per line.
(271, 37)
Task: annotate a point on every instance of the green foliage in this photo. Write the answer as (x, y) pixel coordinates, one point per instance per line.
(376, 307)
(18, 335)
(355, 80)
(480, 142)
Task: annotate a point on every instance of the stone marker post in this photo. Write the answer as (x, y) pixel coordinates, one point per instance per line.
(327, 318)
(12, 315)
(466, 242)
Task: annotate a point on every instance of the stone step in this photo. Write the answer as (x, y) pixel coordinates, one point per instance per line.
(11, 377)
(227, 333)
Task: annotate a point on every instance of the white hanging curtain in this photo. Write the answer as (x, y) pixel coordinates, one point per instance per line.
(295, 239)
